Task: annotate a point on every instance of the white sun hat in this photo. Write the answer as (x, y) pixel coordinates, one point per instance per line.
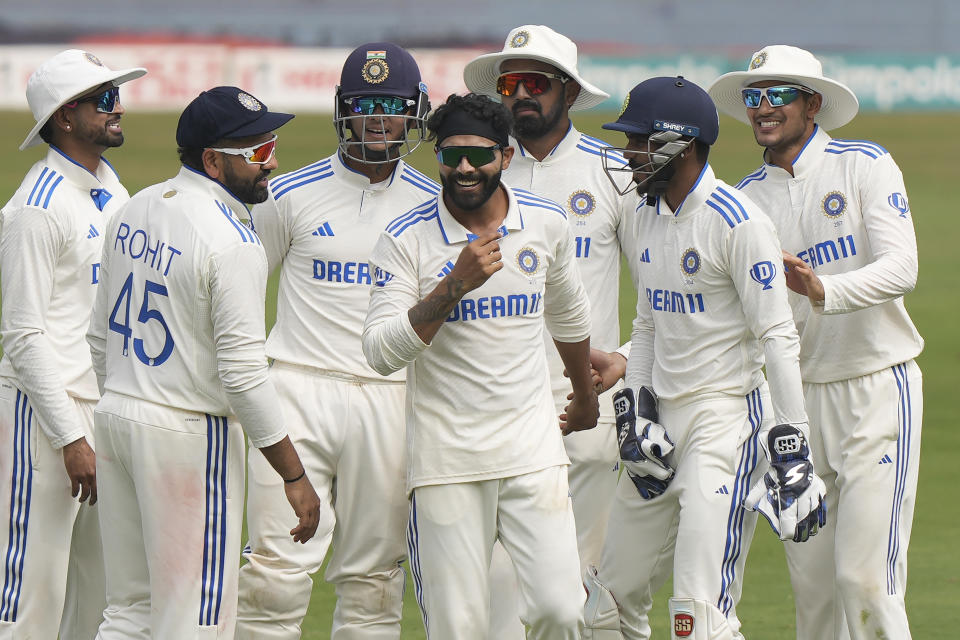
(66, 76)
(533, 42)
(787, 64)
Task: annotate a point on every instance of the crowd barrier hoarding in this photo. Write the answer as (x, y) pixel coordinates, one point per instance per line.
(304, 79)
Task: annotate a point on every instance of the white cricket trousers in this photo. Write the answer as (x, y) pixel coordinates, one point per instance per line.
(52, 577)
(698, 527)
(451, 535)
(350, 434)
(592, 475)
(865, 439)
(171, 488)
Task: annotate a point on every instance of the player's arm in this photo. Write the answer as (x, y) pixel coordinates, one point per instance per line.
(237, 282)
(272, 224)
(566, 314)
(30, 243)
(892, 240)
(400, 325)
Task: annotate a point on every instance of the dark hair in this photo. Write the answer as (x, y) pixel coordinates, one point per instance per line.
(702, 149)
(191, 157)
(46, 131)
(479, 106)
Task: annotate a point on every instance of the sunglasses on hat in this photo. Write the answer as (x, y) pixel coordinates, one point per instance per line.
(106, 102)
(257, 154)
(535, 82)
(476, 156)
(776, 96)
(391, 105)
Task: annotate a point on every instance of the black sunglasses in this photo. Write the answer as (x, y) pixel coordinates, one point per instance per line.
(476, 156)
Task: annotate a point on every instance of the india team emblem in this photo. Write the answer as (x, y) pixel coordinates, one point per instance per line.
(758, 60)
(834, 204)
(690, 262)
(375, 71)
(520, 39)
(92, 58)
(249, 101)
(528, 260)
(582, 202)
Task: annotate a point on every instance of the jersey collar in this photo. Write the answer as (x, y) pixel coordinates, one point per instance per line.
(453, 232)
(565, 147)
(806, 159)
(697, 195)
(198, 180)
(358, 180)
(79, 175)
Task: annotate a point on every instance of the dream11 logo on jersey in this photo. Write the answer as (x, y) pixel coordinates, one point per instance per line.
(763, 273)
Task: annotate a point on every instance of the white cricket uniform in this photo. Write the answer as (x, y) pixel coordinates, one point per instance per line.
(600, 220)
(845, 213)
(713, 308)
(320, 224)
(485, 455)
(50, 240)
(177, 337)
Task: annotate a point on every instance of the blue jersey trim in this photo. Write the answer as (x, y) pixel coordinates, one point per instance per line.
(865, 147)
(757, 176)
(429, 210)
(309, 174)
(724, 203)
(531, 199)
(419, 180)
(43, 189)
(245, 234)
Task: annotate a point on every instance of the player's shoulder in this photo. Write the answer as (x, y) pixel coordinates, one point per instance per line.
(753, 179)
(854, 149)
(43, 188)
(419, 182)
(414, 218)
(532, 204)
(732, 207)
(311, 176)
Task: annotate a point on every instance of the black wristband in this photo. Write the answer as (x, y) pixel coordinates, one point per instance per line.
(302, 473)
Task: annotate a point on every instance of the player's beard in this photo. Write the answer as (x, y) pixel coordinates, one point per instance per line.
(99, 136)
(245, 189)
(535, 126)
(470, 201)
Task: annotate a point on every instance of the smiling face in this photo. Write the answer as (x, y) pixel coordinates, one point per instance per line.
(376, 137)
(465, 186)
(92, 127)
(783, 130)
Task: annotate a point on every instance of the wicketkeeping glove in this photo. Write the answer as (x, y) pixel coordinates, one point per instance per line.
(644, 446)
(790, 494)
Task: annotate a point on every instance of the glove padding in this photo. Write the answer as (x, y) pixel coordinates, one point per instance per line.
(644, 446)
(790, 494)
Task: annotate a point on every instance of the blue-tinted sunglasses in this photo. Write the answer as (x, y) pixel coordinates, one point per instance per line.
(776, 96)
(106, 102)
(391, 105)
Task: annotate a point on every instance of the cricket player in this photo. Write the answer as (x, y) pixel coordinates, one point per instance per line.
(319, 225)
(712, 310)
(177, 339)
(536, 77)
(51, 232)
(463, 286)
(841, 210)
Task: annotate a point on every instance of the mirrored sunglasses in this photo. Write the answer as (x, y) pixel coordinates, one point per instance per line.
(258, 154)
(776, 96)
(476, 156)
(106, 102)
(535, 82)
(391, 105)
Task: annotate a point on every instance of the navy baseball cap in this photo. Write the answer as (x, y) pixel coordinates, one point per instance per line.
(668, 104)
(225, 112)
(380, 69)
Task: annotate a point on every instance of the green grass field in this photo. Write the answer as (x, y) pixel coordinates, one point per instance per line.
(920, 144)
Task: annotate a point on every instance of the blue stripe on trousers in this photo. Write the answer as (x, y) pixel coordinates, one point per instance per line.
(905, 420)
(413, 541)
(214, 532)
(741, 486)
(20, 494)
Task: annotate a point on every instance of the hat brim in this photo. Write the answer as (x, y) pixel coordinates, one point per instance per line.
(116, 77)
(839, 107)
(480, 75)
(270, 121)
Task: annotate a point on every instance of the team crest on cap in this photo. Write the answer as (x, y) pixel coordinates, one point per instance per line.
(520, 39)
(758, 60)
(249, 101)
(626, 102)
(528, 260)
(92, 58)
(582, 202)
(375, 71)
(834, 204)
(690, 262)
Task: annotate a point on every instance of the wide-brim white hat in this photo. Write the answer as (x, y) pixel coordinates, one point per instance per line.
(787, 64)
(533, 42)
(66, 76)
